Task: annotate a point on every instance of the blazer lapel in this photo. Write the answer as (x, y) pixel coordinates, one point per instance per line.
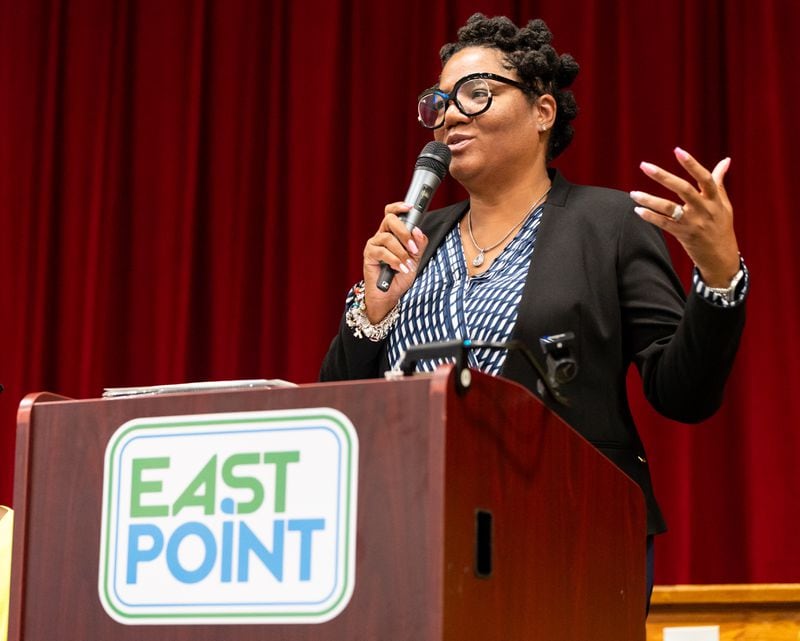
(436, 225)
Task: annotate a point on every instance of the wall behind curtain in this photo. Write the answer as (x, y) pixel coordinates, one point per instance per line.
(186, 188)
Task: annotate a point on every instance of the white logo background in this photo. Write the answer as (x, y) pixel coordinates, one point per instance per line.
(320, 487)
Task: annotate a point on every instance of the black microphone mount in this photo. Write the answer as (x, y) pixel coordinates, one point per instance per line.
(561, 365)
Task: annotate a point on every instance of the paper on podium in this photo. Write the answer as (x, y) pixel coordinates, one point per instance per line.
(203, 386)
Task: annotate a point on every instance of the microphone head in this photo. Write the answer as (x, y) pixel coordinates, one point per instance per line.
(435, 157)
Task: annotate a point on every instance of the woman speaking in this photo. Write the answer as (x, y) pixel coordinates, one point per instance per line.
(530, 255)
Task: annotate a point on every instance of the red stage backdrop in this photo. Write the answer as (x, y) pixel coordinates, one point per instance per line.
(186, 188)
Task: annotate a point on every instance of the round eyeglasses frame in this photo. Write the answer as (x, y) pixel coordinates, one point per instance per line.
(453, 96)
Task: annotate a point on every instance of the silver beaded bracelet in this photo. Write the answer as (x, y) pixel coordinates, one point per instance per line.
(356, 318)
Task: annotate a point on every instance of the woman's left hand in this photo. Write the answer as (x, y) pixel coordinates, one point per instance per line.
(701, 218)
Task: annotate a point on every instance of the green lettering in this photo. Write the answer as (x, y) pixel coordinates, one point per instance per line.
(192, 496)
(281, 460)
(247, 482)
(140, 486)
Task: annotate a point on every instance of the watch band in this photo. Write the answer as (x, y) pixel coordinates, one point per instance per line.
(728, 292)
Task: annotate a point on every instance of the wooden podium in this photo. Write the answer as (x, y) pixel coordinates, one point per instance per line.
(565, 554)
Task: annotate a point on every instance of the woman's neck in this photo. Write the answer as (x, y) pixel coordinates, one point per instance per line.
(505, 202)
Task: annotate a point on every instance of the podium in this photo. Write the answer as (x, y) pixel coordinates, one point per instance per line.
(481, 515)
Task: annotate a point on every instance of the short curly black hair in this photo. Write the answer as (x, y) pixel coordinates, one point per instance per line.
(528, 51)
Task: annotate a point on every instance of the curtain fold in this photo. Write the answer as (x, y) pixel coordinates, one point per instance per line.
(186, 189)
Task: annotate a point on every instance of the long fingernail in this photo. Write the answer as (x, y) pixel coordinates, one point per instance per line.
(412, 246)
(403, 268)
(411, 265)
(647, 168)
(637, 195)
(639, 210)
(681, 154)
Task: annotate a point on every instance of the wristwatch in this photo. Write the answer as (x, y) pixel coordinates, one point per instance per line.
(728, 293)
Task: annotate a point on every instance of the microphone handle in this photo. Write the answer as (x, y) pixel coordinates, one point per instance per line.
(423, 184)
(387, 273)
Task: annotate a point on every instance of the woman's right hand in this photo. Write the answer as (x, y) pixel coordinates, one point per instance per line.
(399, 248)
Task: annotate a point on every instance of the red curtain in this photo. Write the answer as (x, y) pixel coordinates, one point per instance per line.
(186, 188)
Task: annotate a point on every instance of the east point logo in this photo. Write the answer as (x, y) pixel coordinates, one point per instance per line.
(201, 493)
(229, 518)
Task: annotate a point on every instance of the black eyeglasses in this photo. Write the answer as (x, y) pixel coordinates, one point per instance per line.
(471, 95)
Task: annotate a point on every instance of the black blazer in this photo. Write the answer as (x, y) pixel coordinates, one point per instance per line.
(601, 272)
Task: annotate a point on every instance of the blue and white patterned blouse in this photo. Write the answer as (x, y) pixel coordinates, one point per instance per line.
(445, 303)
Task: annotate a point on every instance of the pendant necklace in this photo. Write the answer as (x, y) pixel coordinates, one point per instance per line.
(479, 259)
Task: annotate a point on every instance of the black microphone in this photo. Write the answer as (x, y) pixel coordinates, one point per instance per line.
(430, 169)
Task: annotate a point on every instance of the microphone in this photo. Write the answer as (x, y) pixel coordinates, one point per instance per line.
(429, 170)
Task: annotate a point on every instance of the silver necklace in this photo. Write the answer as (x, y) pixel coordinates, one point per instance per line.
(478, 260)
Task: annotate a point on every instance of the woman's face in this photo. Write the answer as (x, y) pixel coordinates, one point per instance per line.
(498, 143)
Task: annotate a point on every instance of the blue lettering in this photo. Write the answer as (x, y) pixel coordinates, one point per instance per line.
(146, 543)
(227, 551)
(138, 554)
(306, 528)
(178, 571)
(272, 560)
